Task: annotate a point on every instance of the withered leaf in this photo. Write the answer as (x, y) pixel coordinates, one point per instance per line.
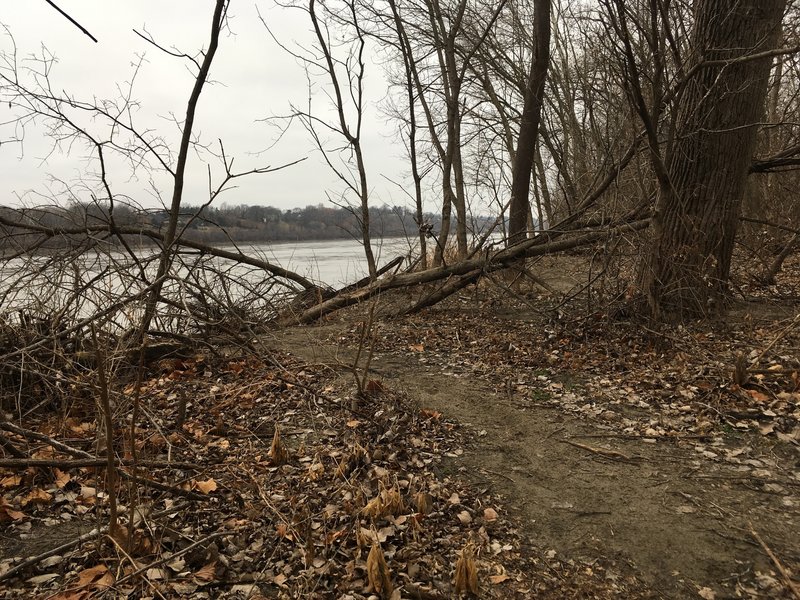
(378, 574)
(207, 486)
(96, 577)
(466, 577)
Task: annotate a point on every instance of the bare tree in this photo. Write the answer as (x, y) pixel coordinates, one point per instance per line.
(529, 126)
(346, 77)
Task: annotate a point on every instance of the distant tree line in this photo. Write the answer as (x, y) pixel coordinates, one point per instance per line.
(269, 224)
(215, 225)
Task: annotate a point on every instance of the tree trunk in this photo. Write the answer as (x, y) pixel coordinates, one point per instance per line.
(529, 128)
(696, 215)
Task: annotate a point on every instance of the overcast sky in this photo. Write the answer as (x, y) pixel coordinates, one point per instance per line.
(254, 79)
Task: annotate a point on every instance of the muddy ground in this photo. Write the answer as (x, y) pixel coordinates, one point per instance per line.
(583, 460)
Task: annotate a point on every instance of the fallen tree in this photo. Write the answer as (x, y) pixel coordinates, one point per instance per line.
(458, 275)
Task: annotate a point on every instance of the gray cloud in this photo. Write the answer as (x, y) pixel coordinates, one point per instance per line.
(253, 79)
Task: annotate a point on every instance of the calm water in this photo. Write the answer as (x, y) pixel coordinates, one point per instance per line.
(335, 263)
(83, 285)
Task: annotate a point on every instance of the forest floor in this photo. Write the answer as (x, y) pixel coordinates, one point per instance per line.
(565, 452)
(624, 449)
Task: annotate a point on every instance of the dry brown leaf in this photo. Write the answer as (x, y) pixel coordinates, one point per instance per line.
(424, 502)
(282, 530)
(466, 578)
(374, 508)
(37, 496)
(393, 501)
(278, 452)
(96, 577)
(10, 481)
(380, 580)
(489, 515)
(207, 573)
(7, 513)
(315, 470)
(207, 486)
(375, 387)
(464, 517)
(387, 502)
(430, 414)
(62, 478)
(497, 579)
(758, 396)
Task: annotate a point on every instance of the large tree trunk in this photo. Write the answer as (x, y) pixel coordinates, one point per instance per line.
(529, 127)
(697, 213)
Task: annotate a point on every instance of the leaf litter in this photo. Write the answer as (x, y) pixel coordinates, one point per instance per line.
(291, 495)
(726, 394)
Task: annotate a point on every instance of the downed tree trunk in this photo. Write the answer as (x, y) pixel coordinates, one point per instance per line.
(465, 271)
(768, 276)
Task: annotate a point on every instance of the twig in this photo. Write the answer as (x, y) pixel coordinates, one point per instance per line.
(778, 337)
(7, 445)
(24, 463)
(130, 559)
(781, 569)
(86, 537)
(157, 485)
(40, 437)
(164, 559)
(499, 474)
(613, 454)
(71, 20)
(108, 419)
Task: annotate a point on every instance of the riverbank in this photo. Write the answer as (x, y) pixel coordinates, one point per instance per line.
(570, 455)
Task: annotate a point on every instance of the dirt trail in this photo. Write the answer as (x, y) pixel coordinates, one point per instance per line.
(677, 519)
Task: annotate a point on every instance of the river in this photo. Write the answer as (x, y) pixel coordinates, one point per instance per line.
(332, 262)
(82, 285)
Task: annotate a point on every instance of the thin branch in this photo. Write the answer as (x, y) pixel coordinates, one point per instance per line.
(71, 20)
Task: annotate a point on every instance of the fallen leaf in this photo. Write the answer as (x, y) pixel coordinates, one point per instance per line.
(62, 478)
(378, 572)
(96, 577)
(10, 481)
(37, 496)
(466, 577)
(207, 573)
(7, 513)
(278, 453)
(207, 486)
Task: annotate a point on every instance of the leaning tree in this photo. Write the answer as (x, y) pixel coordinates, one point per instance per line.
(703, 178)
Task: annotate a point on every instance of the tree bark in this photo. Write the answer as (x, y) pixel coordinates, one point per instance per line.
(529, 127)
(696, 214)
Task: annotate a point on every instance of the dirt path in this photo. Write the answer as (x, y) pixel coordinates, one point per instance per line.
(677, 517)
